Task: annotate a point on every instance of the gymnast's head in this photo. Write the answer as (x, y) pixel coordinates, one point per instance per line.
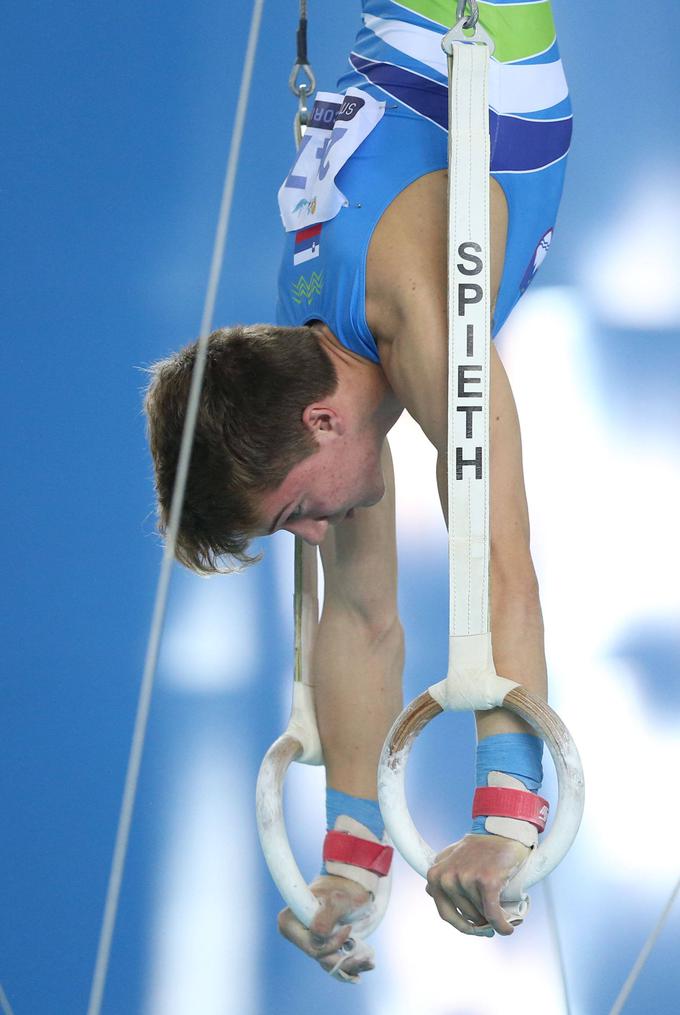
(274, 447)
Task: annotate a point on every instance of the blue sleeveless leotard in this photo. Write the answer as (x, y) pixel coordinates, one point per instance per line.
(397, 58)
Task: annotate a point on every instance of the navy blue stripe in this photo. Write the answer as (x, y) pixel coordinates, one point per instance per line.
(517, 145)
(427, 97)
(525, 145)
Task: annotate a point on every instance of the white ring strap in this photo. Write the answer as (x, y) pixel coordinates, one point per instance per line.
(469, 312)
(472, 682)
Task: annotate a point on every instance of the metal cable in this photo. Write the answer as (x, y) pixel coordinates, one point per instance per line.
(302, 81)
(158, 619)
(473, 16)
(4, 1003)
(644, 953)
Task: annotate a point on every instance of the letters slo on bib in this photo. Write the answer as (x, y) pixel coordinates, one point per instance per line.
(472, 682)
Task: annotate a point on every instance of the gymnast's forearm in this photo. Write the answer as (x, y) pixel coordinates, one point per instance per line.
(357, 674)
(518, 643)
(516, 619)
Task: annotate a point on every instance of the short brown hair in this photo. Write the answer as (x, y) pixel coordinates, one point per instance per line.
(249, 433)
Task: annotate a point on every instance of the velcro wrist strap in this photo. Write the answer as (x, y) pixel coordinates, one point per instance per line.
(510, 803)
(340, 847)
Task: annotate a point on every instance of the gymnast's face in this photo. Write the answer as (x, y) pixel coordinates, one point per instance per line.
(324, 489)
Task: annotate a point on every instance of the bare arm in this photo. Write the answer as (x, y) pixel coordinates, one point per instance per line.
(358, 657)
(407, 290)
(357, 667)
(516, 621)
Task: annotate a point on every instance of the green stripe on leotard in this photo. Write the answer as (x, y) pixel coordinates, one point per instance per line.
(519, 30)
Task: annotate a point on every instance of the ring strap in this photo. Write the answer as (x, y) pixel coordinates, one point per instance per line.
(510, 803)
(340, 847)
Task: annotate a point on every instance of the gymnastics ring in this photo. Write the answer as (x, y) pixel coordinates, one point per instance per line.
(276, 846)
(473, 692)
(300, 742)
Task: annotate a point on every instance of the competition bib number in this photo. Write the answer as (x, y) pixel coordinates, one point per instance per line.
(337, 126)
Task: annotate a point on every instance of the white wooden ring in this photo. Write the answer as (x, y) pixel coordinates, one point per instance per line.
(550, 851)
(271, 827)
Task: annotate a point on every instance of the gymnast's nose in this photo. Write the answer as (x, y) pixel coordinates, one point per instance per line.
(312, 530)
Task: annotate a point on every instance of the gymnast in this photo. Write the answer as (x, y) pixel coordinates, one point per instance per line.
(294, 417)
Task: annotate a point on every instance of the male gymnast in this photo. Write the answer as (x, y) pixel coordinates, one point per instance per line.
(292, 430)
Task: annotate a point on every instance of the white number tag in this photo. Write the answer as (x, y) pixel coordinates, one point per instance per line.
(337, 126)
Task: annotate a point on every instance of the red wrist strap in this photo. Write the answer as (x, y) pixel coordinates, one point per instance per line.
(510, 803)
(344, 848)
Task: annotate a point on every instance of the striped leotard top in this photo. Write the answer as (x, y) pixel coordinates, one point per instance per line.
(397, 59)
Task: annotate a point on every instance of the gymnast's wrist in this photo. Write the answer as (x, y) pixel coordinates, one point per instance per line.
(353, 847)
(509, 774)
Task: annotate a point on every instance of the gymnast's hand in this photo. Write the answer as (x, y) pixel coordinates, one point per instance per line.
(341, 901)
(467, 878)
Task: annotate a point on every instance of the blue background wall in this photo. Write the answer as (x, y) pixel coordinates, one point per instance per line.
(118, 121)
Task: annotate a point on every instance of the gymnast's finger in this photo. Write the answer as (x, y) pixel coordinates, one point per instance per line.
(314, 945)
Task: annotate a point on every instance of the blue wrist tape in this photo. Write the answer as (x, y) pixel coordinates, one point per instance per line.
(516, 754)
(365, 811)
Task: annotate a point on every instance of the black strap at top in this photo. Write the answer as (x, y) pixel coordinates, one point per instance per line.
(302, 42)
(301, 35)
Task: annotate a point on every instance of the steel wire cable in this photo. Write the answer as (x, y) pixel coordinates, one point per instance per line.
(160, 602)
(644, 954)
(4, 1003)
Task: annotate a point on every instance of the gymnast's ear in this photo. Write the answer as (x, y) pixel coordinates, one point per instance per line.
(323, 420)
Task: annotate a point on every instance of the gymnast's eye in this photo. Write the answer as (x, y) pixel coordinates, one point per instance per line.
(295, 514)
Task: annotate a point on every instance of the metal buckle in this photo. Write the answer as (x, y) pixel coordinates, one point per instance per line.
(457, 34)
(302, 89)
